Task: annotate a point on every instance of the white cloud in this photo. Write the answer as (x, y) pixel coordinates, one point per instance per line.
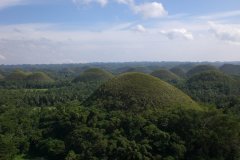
(8, 3)
(101, 2)
(147, 9)
(128, 2)
(226, 32)
(46, 43)
(139, 28)
(221, 15)
(178, 33)
(150, 10)
(2, 57)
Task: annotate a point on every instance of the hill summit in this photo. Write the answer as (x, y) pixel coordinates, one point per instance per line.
(165, 75)
(200, 69)
(213, 87)
(138, 91)
(17, 75)
(39, 77)
(178, 71)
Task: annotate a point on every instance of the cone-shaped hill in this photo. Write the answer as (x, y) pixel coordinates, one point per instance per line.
(231, 69)
(93, 74)
(17, 75)
(137, 69)
(199, 69)
(212, 87)
(138, 91)
(165, 75)
(39, 77)
(178, 71)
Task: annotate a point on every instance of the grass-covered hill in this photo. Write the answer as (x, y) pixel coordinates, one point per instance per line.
(39, 77)
(199, 69)
(93, 74)
(231, 69)
(213, 87)
(141, 69)
(178, 71)
(165, 75)
(137, 91)
(17, 75)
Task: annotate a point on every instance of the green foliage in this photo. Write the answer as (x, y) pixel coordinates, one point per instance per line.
(73, 132)
(72, 156)
(93, 74)
(134, 69)
(138, 91)
(213, 87)
(231, 69)
(51, 148)
(199, 69)
(7, 147)
(132, 116)
(39, 77)
(47, 97)
(166, 75)
(20, 79)
(178, 71)
(17, 75)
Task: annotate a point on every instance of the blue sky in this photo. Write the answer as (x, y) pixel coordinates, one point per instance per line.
(74, 31)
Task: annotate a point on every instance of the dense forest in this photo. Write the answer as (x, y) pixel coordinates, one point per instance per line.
(130, 111)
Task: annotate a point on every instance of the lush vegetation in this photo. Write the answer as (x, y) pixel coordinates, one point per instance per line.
(214, 87)
(199, 69)
(46, 114)
(139, 90)
(178, 71)
(231, 69)
(134, 69)
(166, 75)
(93, 74)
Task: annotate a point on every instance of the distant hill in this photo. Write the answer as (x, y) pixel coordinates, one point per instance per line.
(213, 87)
(17, 75)
(134, 69)
(199, 69)
(165, 75)
(67, 71)
(137, 91)
(178, 71)
(39, 77)
(93, 74)
(231, 69)
(186, 66)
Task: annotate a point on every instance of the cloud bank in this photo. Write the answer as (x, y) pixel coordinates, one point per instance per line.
(139, 28)
(150, 10)
(46, 43)
(178, 33)
(147, 9)
(101, 2)
(9, 3)
(226, 32)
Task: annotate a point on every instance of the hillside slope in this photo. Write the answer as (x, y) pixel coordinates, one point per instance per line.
(139, 91)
